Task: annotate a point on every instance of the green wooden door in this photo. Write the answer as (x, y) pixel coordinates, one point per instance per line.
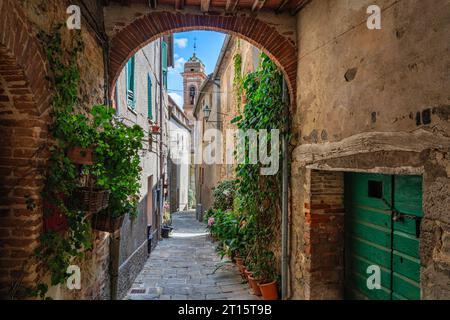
(382, 219)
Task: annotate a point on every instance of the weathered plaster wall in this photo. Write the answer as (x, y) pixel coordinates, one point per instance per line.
(375, 100)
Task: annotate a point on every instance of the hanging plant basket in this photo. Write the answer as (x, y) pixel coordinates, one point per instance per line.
(106, 223)
(80, 155)
(90, 200)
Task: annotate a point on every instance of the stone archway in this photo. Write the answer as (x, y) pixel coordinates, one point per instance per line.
(136, 34)
(24, 105)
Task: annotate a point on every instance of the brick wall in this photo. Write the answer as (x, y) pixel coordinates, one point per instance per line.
(24, 117)
(324, 236)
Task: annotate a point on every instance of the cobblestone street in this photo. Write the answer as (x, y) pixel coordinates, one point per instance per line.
(182, 267)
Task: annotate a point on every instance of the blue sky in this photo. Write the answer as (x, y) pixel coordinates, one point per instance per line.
(209, 44)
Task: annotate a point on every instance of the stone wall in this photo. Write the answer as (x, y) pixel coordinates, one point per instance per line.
(388, 89)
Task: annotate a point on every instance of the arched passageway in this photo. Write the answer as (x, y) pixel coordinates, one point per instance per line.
(24, 103)
(130, 38)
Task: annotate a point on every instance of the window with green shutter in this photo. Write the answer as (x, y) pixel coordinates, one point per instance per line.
(149, 96)
(164, 63)
(130, 82)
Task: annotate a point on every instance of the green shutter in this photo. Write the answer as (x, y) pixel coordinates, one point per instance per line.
(149, 96)
(130, 82)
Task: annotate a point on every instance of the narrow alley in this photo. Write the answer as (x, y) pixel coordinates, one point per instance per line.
(182, 267)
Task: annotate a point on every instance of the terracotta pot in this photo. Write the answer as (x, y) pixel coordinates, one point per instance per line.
(254, 285)
(269, 290)
(155, 128)
(106, 223)
(79, 155)
(248, 274)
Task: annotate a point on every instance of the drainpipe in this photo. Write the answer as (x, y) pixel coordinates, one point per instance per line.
(114, 250)
(284, 204)
(161, 120)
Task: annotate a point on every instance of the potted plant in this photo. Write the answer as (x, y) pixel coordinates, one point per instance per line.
(116, 168)
(265, 276)
(155, 128)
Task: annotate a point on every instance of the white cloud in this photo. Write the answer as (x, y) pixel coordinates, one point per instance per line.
(181, 42)
(177, 98)
(178, 65)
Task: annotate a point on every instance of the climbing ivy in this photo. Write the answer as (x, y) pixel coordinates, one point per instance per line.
(258, 195)
(237, 79)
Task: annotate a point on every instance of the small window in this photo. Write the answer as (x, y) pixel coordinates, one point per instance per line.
(149, 97)
(130, 94)
(375, 189)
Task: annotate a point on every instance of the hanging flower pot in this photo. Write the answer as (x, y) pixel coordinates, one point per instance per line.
(106, 223)
(254, 285)
(155, 129)
(80, 155)
(269, 290)
(90, 200)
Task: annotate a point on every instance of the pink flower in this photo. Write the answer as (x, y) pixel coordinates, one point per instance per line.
(210, 221)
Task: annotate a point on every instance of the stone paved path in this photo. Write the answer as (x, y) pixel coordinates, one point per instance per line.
(182, 268)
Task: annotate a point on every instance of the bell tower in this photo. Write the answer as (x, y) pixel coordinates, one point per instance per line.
(193, 77)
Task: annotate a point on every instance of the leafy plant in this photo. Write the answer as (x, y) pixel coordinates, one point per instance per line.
(257, 195)
(224, 194)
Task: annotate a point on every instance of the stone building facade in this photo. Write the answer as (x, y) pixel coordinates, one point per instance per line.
(179, 157)
(372, 101)
(218, 95)
(141, 98)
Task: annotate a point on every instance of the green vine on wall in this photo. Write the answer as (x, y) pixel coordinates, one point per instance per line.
(237, 79)
(258, 195)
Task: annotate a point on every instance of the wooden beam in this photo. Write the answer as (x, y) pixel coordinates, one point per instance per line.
(257, 5)
(299, 6)
(179, 4)
(204, 5)
(281, 6)
(231, 5)
(153, 3)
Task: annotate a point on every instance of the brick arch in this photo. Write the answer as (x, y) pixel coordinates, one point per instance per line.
(24, 105)
(153, 25)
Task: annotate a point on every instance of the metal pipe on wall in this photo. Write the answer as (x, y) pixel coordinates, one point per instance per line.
(284, 203)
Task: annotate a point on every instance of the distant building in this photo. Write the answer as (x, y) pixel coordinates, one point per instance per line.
(193, 77)
(219, 97)
(179, 156)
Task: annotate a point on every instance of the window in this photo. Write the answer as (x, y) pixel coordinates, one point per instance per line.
(130, 83)
(375, 189)
(149, 97)
(164, 63)
(192, 94)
